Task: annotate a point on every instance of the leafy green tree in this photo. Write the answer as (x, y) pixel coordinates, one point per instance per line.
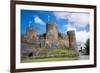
(87, 47)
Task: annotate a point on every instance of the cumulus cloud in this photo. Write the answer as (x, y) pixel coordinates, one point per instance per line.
(39, 20)
(61, 15)
(69, 27)
(82, 36)
(79, 19)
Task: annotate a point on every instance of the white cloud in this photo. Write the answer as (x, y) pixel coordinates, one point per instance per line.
(79, 19)
(39, 21)
(69, 27)
(82, 36)
(61, 15)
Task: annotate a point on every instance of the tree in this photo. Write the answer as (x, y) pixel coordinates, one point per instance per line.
(87, 47)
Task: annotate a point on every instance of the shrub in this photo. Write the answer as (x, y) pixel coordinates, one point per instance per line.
(42, 44)
(65, 47)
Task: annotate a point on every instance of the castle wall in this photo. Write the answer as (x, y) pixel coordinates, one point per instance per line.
(63, 39)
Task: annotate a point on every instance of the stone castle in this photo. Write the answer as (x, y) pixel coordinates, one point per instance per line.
(52, 39)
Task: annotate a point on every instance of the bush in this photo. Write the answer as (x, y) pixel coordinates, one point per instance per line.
(42, 44)
(65, 47)
(87, 47)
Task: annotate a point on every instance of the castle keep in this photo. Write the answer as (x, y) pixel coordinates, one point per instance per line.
(35, 44)
(51, 31)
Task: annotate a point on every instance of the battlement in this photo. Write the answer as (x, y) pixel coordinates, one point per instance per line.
(51, 26)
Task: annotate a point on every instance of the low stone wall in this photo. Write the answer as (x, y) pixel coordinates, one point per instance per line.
(29, 51)
(54, 56)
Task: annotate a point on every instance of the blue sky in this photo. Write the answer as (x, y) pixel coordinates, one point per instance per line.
(80, 22)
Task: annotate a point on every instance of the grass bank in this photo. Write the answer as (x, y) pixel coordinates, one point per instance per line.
(48, 59)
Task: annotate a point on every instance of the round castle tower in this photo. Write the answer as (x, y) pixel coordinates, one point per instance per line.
(31, 32)
(72, 39)
(51, 30)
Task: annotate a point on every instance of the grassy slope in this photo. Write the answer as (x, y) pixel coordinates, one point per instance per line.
(48, 59)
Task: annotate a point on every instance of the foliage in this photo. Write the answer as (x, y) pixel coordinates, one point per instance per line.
(87, 44)
(65, 47)
(42, 44)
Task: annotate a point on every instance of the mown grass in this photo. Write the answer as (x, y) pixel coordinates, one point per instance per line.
(60, 52)
(48, 59)
(56, 52)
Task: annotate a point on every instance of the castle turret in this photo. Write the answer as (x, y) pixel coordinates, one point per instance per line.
(51, 30)
(72, 39)
(31, 32)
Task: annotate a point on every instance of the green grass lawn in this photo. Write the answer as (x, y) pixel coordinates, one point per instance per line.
(48, 59)
(60, 51)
